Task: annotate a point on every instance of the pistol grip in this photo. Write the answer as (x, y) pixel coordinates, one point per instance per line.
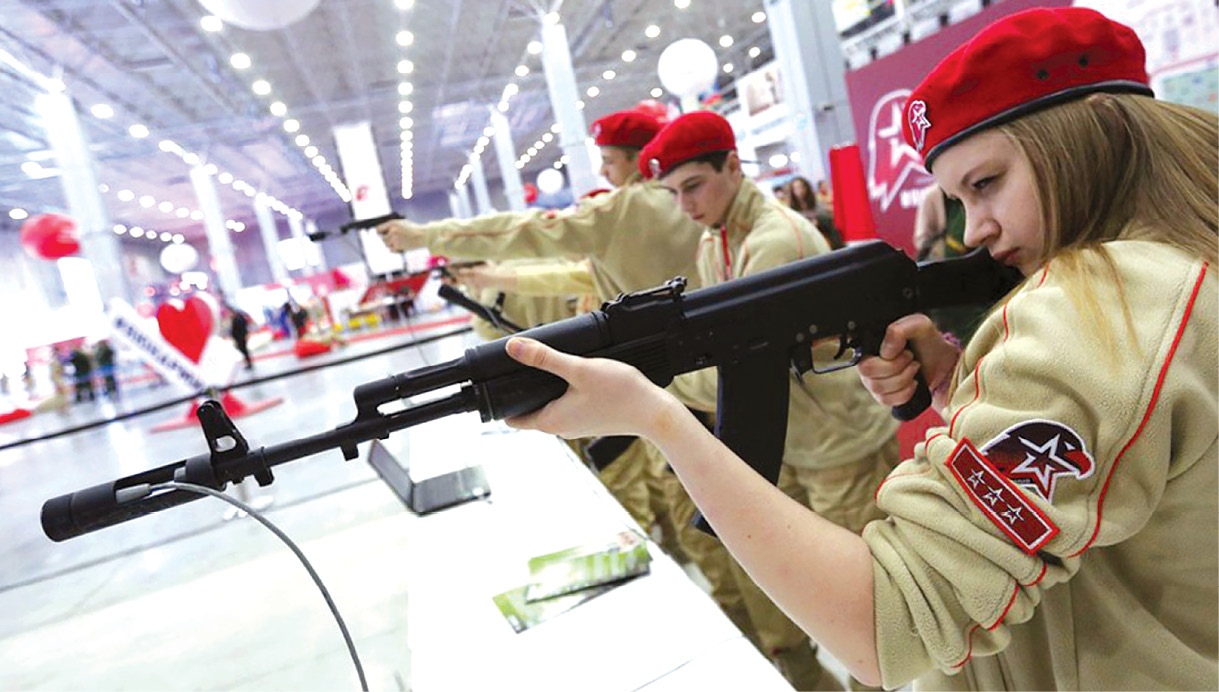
(917, 404)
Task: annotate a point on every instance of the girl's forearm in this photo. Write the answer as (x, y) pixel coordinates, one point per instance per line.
(819, 573)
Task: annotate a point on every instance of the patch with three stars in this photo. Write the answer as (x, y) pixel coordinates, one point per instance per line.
(1000, 499)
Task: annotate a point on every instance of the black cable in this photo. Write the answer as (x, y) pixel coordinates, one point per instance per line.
(247, 383)
(203, 490)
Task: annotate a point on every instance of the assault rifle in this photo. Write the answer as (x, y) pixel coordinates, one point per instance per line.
(755, 329)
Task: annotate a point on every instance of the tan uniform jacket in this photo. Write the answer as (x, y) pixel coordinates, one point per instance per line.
(636, 237)
(546, 301)
(555, 278)
(831, 419)
(1095, 476)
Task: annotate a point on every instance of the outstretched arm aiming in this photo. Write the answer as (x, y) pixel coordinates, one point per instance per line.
(819, 573)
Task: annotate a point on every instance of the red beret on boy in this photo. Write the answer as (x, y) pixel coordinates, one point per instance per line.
(687, 137)
(625, 129)
(1019, 64)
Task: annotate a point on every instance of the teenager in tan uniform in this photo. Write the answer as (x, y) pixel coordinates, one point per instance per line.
(632, 238)
(833, 466)
(1083, 416)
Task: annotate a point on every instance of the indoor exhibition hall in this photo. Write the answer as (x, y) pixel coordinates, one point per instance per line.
(609, 345)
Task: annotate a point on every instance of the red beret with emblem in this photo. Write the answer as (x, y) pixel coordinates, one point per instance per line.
(687, 137)
(1022, 63)
(625, 129)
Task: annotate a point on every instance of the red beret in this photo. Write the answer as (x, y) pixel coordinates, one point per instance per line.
(1022, 63)
(687, 137)
(625, 129)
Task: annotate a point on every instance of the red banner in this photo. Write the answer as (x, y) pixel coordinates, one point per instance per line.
(895, 176)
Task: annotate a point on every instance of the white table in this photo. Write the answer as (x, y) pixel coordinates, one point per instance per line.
(657, 632)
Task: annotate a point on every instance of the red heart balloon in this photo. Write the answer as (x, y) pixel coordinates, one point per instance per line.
(186, 326)
(49, 236)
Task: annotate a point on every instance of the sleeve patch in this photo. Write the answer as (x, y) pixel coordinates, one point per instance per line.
(999, 499)
(1036, 453)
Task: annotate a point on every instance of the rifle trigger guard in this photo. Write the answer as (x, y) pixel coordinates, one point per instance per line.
(856, 356)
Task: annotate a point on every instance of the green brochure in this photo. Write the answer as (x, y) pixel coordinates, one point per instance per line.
(619, 558)
(523, 614)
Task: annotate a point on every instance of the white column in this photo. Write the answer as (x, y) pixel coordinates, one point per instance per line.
(505, 152)
(463, 197)
(78, 175)
(315, 256)
(219, 244)
(564, 93)
(810, 58)
(270, 238)
(454, 205)
(479, 181)
(296, 227)
(362, 170)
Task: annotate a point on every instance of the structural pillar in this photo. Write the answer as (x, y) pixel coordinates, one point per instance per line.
(315, 256)
(454, 205)
(564, 93)
(78, 174)
(463, 198)
(479, 180)
(270, 239)
(811, 62)
(505, 152)
(219, 244)
(296, 227)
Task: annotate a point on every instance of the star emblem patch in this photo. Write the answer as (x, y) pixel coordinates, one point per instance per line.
(1036, 454)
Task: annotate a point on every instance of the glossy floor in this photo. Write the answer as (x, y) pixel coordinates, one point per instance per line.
(86, 613)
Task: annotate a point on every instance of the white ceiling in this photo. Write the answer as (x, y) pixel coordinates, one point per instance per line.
(152, 61)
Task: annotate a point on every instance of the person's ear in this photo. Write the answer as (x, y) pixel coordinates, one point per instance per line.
(733, 162)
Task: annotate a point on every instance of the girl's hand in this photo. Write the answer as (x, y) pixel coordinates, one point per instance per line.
(604, 397)
(890, 376)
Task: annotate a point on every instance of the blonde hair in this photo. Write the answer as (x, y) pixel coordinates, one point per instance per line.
(1119, 166)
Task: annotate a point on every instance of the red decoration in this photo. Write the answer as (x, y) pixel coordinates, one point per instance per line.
(340, 279)
(15, 414)
(49, 236)
(234, 407)
(186, 326)
(531, 193)
(309, 347)
(852, 209)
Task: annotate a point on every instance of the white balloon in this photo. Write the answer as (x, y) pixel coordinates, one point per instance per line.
(179, 257)
(259, 15)
(550, 181)
(687, 67)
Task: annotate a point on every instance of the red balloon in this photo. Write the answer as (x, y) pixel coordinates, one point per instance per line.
(49, 236)
(531, 193)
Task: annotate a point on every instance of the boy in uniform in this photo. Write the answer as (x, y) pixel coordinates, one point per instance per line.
(840, 443)
(634, 238)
